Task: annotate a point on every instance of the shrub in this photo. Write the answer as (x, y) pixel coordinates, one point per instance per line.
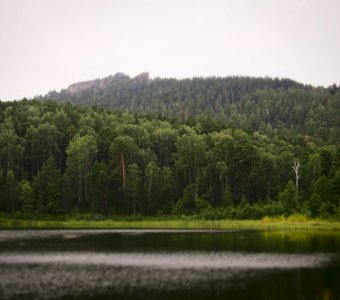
(272, 209)
(289, 198)
(314, 204)
(297, 218)
(326, 210)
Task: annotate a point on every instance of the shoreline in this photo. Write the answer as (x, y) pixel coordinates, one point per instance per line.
(264, 224)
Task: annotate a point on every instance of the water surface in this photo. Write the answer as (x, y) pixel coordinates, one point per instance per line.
(168, 264)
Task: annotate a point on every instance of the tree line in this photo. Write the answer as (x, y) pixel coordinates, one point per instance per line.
(58, 158)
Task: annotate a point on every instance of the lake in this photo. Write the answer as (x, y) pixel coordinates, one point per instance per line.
(169, 264)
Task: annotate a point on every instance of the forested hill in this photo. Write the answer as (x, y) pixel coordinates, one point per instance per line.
(270, 106)
(60, 158)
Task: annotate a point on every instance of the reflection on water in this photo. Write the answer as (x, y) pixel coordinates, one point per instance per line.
(180, 260)
(170, 264)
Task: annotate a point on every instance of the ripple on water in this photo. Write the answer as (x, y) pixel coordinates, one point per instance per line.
(57, 275)
(173, 260)
(60, 273)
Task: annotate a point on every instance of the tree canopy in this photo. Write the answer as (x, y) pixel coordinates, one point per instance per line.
(244, 148)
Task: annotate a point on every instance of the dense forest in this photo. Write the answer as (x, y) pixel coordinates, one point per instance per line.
(215, 147)
(270, 106)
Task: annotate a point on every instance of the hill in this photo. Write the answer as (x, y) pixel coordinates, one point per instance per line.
(270, 106)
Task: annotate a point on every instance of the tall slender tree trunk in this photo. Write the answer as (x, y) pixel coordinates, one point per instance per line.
(12, 197)
(8, 157)
(122, 170)
(32, 160)
(85, 189)
(196, 184)
(150, 187)
(134, 203)
(79, 189)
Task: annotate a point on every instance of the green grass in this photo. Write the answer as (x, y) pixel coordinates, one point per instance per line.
(280, 223)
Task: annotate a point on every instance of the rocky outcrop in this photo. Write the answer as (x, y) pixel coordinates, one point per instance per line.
(142, 79)
(102, 84)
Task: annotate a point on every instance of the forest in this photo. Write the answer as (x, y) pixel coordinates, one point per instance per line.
(270, 106)
(236, 148)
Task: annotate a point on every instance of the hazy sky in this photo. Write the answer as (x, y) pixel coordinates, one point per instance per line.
(49, 44)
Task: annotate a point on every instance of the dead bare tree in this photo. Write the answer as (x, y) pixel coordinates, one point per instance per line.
(296, 168)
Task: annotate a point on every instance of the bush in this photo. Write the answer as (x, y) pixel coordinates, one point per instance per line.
(272, 209)
(327, 210)
(289, 198)
(314, 204)
(297, 218)
(186, 204)
(202, 204)
(215, 214)
(337, 213)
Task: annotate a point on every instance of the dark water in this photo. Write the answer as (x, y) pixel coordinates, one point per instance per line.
(168, 264)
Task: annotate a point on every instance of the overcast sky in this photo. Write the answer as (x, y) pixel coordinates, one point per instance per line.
(49, 44)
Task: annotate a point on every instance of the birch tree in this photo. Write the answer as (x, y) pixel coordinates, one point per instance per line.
(80, 154)
(133, 185)
(296, 169)
(191, 157)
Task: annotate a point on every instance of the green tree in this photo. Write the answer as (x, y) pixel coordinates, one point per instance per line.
(80, 154)
(47, 186)
(313, 167)
(123, 151)
(43, 143)
(242, 169)
(11, 151)
(153, 183)
(191, 158)
(164, 144)
(25, 196)
(314, 204)
(10, 192)
(289, 198)
(326, 161)
(323, 187)
(186, 205)
(101, 189)
(335, 189)
(133, 186)
(169, 192)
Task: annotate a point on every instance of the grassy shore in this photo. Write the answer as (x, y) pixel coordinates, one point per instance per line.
(281, 223)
